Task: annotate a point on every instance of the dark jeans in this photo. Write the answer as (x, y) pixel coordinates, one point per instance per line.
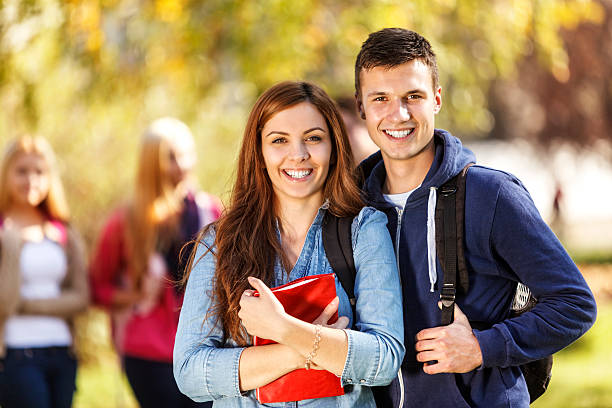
(37, 378)
(154, 386)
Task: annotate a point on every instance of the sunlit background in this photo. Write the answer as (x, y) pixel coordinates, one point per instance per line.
(527, 84)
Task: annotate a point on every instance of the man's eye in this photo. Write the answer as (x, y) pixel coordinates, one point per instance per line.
(379, 99)
(414, 96)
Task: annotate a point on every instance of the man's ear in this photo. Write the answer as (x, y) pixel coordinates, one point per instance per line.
(360, 106)
(438, 99)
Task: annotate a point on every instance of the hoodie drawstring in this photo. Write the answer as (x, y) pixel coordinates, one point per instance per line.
(431, 237)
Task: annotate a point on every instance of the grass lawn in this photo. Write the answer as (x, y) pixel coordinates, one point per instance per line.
(582, 373)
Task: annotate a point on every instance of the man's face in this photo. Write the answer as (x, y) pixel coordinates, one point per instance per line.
(399, 105)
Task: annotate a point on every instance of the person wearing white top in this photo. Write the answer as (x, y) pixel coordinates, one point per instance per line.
(44, 280)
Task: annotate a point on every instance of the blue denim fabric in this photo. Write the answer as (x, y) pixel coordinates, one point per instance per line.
(37, 378)
(207, 369)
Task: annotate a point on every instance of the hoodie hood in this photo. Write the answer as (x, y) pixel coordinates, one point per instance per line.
(450, 158)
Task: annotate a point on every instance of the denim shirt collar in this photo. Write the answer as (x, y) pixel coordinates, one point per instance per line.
(312, 244)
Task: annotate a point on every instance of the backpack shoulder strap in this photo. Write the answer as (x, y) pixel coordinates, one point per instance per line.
(449, 217)
(339, 251)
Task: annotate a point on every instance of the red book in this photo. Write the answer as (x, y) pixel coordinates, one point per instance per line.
(305, 299)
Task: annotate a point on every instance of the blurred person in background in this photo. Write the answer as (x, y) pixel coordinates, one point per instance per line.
(43, 280)
(135, 267)
(361, 144)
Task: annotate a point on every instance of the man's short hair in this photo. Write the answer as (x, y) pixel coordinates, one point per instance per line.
(391, 47)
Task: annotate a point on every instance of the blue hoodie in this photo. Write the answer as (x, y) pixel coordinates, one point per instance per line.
(506, 241)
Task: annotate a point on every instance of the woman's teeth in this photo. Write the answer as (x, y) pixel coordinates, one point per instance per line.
(298, 174)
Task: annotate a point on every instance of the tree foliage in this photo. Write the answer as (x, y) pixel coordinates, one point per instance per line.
(90, 75)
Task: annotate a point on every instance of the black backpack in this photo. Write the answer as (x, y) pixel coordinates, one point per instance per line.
(449, 217)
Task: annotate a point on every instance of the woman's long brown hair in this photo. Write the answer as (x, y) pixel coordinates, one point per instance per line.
(153, 213)
(246, 241)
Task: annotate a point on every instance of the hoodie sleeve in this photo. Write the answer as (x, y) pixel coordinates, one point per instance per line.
(528, 251)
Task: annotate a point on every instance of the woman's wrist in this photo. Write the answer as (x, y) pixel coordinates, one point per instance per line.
(286, 327)
(295, 359)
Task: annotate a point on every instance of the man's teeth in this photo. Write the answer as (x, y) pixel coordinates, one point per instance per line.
(398, 133)
(298, 174)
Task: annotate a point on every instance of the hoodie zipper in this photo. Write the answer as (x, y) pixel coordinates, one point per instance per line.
(400, 376)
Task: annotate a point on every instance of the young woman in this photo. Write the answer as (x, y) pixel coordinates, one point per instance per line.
(295, 164)
(43, 280)
(136, 264)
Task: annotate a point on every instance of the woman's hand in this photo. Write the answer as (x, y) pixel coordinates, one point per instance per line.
(262, 316)
(328, 312)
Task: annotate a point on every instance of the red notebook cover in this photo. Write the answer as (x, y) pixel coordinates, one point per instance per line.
(305, 299)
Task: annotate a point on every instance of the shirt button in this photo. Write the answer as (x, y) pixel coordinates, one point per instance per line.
(362, 381)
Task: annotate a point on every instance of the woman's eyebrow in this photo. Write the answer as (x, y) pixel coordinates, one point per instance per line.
(278, 132)
(313, 129)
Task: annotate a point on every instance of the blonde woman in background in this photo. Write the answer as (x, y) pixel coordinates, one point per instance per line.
(43, 280)
(136, 263)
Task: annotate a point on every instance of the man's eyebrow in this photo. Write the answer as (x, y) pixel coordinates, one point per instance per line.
(376, 93)
(383, 93)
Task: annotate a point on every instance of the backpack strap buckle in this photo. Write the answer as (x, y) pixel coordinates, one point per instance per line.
(446, 190)
(447, 295)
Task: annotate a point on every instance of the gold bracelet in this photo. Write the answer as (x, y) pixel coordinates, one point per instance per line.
(315, 347)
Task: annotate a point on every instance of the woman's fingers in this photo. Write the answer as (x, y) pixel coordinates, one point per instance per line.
(342, 323)
(259, 286)
(328, 312)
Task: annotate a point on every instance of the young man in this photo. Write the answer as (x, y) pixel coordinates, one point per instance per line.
(506, 242)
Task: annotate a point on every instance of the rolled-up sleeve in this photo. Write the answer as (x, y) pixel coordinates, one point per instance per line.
(376, 345)
(203, 368)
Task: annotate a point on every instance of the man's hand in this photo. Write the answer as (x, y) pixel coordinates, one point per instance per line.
(454, 347)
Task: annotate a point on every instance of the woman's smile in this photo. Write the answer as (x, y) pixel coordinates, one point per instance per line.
(296, 148)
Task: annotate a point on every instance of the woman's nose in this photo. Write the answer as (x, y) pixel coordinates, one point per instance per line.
(299, 152)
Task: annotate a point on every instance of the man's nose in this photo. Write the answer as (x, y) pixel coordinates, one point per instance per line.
(399, 111)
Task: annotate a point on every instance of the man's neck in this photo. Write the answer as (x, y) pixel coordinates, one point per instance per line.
(406, 175)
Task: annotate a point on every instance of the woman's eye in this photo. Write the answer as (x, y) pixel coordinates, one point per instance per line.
(314, 138)
(278, 140)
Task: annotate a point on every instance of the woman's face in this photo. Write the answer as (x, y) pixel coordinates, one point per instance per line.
(179, 160)
(28, 180)
(296, 148)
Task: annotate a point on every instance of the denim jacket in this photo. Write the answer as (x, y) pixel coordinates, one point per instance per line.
(206, 369)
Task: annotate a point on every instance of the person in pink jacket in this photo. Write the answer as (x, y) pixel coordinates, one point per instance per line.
(137, 261)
